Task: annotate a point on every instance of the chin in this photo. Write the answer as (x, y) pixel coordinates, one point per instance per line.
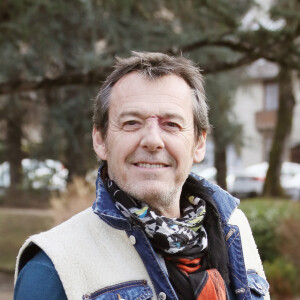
(155, 197)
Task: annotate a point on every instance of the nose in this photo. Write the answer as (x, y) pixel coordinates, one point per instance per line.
(151, 137)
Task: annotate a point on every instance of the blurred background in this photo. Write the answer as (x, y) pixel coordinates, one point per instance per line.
(54, 56)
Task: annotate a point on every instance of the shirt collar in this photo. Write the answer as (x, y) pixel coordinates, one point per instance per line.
(105, 208)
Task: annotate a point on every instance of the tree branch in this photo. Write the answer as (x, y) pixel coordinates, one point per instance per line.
(225, 66)
(95, 76)
(92, 77)
(236, 46)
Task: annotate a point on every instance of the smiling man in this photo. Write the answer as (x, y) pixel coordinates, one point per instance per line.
(150, 144)
(155, 231)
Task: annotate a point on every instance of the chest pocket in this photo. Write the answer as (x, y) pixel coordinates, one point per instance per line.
(258, 285)
(130, 290)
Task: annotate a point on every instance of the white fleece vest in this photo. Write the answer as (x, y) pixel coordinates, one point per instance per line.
(90, 255)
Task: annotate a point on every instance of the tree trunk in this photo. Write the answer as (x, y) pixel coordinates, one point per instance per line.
(14, 154)
(75, 156)
(75, 152)
(272, 186)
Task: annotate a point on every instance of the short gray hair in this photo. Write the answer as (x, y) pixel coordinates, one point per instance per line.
(153, 65)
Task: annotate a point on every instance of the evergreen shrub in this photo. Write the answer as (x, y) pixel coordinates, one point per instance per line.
(276, 228)
(283, 278)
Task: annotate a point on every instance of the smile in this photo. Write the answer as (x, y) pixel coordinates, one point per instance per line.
(147, 165)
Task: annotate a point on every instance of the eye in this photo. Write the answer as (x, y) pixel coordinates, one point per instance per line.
(131, 125)
(171, 126)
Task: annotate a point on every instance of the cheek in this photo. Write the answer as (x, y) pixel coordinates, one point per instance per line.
(183, 141)
(120, 148)
(182, 150)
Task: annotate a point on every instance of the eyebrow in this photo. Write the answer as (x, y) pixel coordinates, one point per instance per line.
(135, 113)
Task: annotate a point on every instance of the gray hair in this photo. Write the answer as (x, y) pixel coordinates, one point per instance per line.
(152, 66)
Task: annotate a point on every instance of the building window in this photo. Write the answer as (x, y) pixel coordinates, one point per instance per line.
(271, 96)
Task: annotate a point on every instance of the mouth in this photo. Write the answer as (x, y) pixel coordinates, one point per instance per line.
(151, 165)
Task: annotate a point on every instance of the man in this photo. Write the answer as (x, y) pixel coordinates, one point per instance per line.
(154, 231)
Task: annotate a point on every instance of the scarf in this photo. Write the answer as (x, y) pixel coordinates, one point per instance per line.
(185, 235)
(194, 269)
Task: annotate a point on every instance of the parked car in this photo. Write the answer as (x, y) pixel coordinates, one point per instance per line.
(250, 181)
(49, 174)
(210, 174)
(207, 173)
(292, 187)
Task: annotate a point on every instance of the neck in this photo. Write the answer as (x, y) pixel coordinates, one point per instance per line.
(172, 211)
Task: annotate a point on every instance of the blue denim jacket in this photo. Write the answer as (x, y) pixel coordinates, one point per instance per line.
(243, 284)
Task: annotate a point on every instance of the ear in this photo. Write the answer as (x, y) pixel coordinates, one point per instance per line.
(99, 144)
(200, 148)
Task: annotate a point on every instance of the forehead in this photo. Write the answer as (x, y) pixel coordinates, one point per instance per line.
(135, 87)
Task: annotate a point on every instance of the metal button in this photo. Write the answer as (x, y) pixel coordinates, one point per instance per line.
(239, 291)
(132, 239)
(162, 296)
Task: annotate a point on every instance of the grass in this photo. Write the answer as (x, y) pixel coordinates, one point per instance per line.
(15, 227)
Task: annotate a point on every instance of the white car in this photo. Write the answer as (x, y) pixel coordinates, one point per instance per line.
(250, 181)
(291, 187)
(210, 174)
(207, 173)
(49, 174)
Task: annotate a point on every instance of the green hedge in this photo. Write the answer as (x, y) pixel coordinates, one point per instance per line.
(276, 229)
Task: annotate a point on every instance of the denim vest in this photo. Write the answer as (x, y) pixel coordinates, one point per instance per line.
(243, 284)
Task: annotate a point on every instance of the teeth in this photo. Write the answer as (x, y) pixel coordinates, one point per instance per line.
(144, 165)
